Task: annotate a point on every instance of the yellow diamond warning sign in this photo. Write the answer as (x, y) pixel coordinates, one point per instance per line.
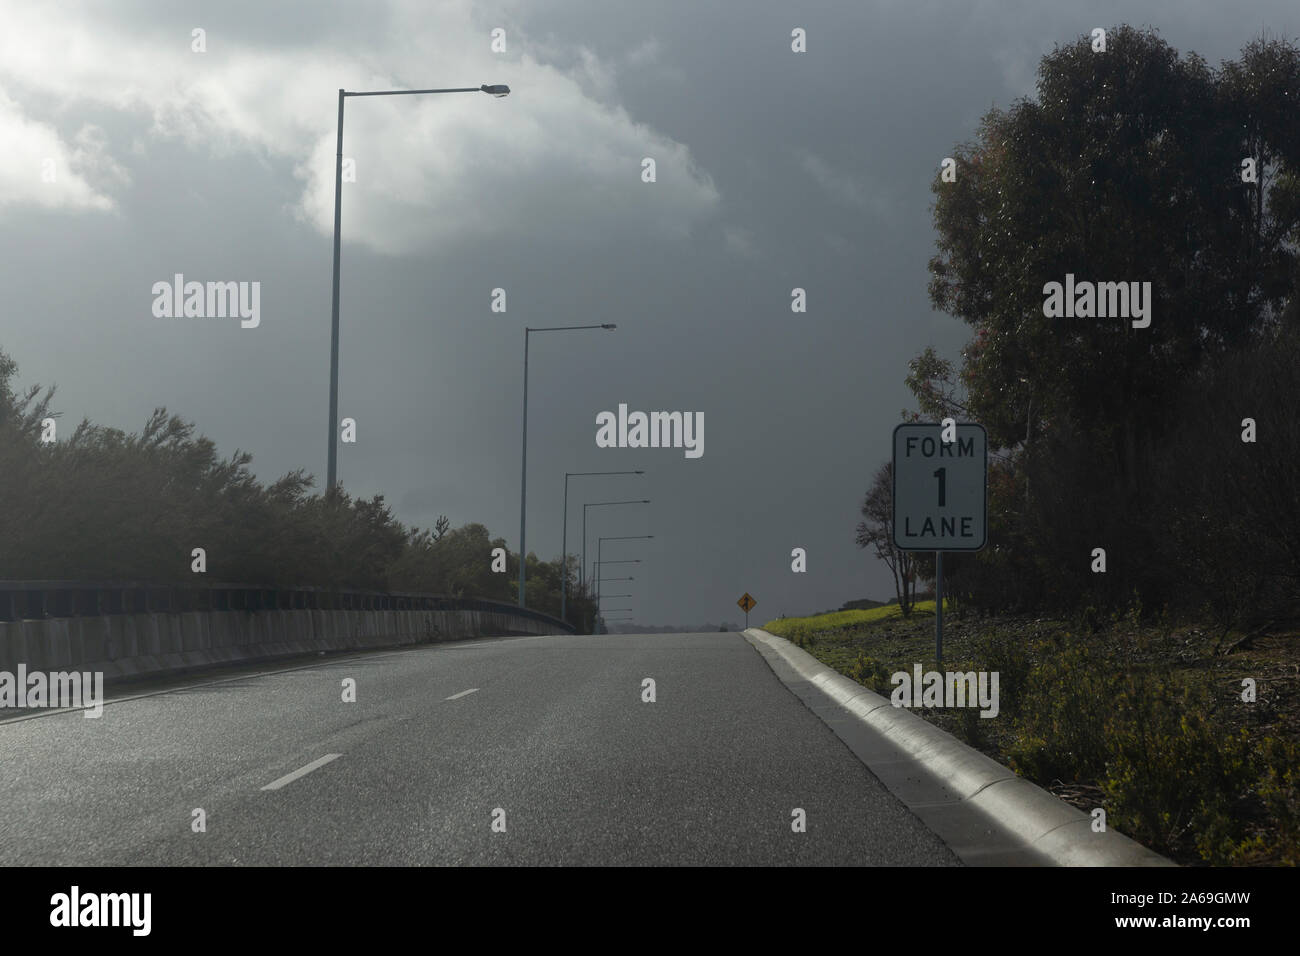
(747, 602)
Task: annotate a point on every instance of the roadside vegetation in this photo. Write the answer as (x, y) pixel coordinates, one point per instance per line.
(1143, 555)
(1143, 719)
(101, 504)
(1170, 447)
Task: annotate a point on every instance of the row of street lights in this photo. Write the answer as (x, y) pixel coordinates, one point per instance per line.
(499, 90)
(523, 481)
(564, 546)
(594, 570)
(599, 595)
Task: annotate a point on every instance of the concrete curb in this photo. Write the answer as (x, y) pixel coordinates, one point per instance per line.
(1025, 814)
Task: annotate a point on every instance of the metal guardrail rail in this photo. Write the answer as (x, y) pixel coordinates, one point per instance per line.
(36, 600)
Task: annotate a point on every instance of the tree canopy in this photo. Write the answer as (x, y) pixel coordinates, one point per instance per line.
(1137, 164)
(106, 505)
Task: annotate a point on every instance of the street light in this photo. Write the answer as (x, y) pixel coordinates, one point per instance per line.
(564, 536)
(523, 481)
(618, 537)
(595, 565)
(599, 504)
(498, 91)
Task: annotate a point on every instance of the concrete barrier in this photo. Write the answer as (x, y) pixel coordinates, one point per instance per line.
(125, 645)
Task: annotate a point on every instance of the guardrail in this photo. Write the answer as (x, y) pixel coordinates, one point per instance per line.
(38, 600)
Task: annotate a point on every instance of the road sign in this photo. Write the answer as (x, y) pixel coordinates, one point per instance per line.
(746, 603)
(940, 488)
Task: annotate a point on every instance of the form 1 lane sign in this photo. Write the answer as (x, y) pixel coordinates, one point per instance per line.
(940, 497)
(940, 488)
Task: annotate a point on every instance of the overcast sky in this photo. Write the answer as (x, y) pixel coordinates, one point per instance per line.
(775, 170)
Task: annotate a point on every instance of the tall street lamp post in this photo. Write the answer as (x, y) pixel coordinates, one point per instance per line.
(523, 481)
(332, 464)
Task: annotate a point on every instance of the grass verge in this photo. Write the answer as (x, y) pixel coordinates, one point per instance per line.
(1143, 719)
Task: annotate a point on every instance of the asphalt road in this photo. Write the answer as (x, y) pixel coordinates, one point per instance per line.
(554, 733)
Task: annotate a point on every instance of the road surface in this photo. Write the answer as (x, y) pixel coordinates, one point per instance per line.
(551, 731)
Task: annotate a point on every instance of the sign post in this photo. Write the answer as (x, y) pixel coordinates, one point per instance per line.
(938, 609)
(940, 497)
(746, 604)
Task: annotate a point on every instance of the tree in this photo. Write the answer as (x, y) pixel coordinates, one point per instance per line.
(102, 504)
(19, 417)
(934, 383)
(1228, 518)
(877, 532)
(1127, 168)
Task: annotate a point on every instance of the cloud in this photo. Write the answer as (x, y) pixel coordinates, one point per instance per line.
(1019, 67)
(739, 241)
(646, 53)
(38, 167)
(841, 187)
(430, 169)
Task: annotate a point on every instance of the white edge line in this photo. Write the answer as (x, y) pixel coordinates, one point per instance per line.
(301, 772)
(462, 693)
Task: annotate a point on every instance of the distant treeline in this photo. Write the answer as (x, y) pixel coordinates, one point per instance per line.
(863, 604)
(1175, 447)
(670, 629)
(102, 504)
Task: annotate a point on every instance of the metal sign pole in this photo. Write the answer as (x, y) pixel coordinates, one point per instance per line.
(938, 609)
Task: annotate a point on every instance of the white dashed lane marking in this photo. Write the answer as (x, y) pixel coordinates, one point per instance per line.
(289, 778)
